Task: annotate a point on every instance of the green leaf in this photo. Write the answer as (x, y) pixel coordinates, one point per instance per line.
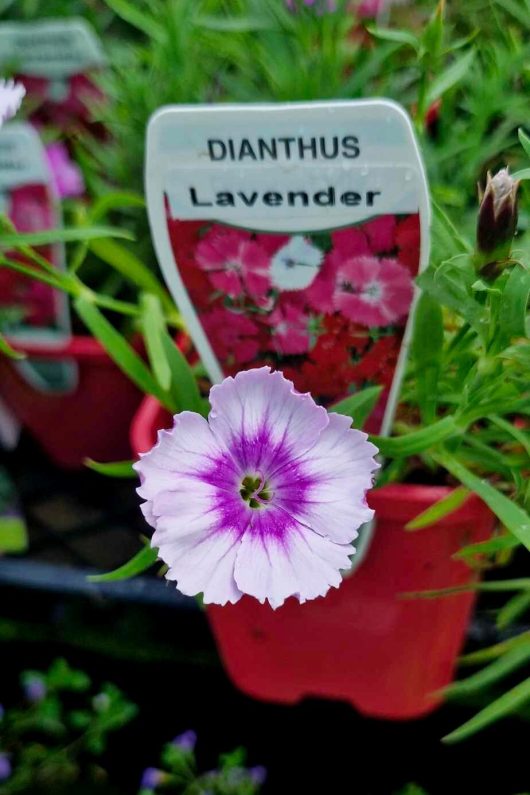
(114, 201)
(492, 673)
(523, 174)
(514, 304)
(184, 389)
(513, 609)
(154, 329)
(118, 349)
(358, 406)
(426, 349)
(116, 469)
(491, 547)
(142, 561)
(450, 283)
(62, 236)
(129, 12)
(500, 708)
(7, 350)
(126, 263)
(417, 441)
(397, 36)
(524, 140)
(440, 509)
(450, 77)
(13, 534)
(513, 517)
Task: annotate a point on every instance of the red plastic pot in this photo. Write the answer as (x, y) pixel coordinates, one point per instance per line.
(91, 421)
(363, 643)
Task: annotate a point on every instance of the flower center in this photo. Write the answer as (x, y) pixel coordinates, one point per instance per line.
(255, 491)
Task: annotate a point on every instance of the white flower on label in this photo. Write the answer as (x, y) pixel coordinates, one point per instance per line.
(296, 264)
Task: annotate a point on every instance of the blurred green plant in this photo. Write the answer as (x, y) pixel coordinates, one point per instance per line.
(49, 742)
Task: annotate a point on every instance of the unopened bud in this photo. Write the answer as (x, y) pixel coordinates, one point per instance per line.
(497, 218)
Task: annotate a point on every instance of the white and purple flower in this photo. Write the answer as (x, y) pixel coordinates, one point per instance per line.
(11, 96)
(263, 498)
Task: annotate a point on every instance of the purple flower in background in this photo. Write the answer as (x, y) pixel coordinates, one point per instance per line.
(66, 174)
(34, 688)
(11, 96)
(374, 8)
(264, 498)
(152, 778)
(5, 767)
(186, 741)
(258, 775)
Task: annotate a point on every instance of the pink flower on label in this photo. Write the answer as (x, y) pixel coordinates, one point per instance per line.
(67, 176)
(232, 335)
(290, 334)
(235, 264)
(263, 498)
(371, 291)
(11, 96)
(381, 233)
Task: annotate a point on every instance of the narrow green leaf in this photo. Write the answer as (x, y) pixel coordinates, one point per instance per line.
(117, 348)
(514, 305)
(154, 328)
(493, 652)
(500, 708)
(143, 22)
(450, 77)
(513, 609)
(403, 37)
(440, 509)
(513, 517)
(116, 469)
(417, 441)
(7, 350)
(426, 349)
(184, 389)
(517, 434)
(524, 140)
(360, 405)
(114, 201)
(494, 545)
(13, 534)
(143, 560)
(492, 673)
(126, 263)
(523, 174)
(62, 236)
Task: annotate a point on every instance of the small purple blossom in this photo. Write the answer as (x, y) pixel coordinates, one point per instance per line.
(34, 688)
(5, 767)
(258, 775)
(152, 778)
(67, 176)
(186, 741)
(371, 9)
(11, 96)
(263, 498)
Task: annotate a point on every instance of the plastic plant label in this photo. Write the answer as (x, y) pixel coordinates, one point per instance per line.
(32, 312)
(53, 57)
(290, 235)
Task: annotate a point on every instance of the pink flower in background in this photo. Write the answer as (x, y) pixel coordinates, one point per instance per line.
(11, 96)
(289, 328)
(235, 264)
(263, 498)
(232, 335)
(373, 8)
(371, 291)
(67, 176)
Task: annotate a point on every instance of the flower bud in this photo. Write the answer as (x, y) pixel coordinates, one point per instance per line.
(497, 219)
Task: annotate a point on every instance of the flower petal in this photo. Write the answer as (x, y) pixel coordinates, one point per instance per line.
(201, 562)
(260, 418)
(296, 563)
(338, 470)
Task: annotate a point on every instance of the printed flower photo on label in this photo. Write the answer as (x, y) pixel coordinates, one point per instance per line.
(327, 308)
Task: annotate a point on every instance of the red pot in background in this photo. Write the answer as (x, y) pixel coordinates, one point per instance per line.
(91, 421)
(363, 643)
